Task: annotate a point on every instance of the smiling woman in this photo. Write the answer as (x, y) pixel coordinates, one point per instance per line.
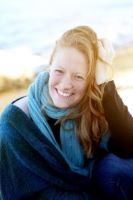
(56, 142)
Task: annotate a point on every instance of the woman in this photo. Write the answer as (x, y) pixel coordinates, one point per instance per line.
(55, 141)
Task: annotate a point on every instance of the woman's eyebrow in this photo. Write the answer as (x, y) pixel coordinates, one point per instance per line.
(57, 66)
(79, 73)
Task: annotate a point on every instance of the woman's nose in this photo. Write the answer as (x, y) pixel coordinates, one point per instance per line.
(67, 82)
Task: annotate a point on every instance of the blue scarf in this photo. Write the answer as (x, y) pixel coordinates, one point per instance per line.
(40, 104)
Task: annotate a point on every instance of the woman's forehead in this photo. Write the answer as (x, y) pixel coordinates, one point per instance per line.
(70, 58)
(69, 54)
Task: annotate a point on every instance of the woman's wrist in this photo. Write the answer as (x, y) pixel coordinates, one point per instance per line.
(109, 92)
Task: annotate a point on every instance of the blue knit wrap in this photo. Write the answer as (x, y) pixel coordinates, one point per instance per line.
(40, 104)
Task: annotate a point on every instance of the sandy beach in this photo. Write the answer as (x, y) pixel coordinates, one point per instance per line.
(123, 77)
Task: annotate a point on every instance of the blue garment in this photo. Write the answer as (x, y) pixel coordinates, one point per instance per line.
(40, 104)
(31, 167)
(113, 177)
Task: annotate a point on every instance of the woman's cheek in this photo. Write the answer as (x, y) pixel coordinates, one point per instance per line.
(54, 78)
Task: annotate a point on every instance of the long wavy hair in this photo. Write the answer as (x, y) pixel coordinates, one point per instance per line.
(88, 114)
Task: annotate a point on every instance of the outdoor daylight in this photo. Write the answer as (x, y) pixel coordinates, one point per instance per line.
(66, 100)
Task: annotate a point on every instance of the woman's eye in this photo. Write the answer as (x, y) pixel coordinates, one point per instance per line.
(58, 71)
(79, 77)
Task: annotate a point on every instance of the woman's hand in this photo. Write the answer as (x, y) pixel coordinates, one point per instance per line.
(104, 68)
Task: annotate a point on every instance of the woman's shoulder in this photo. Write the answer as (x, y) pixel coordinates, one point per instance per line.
(14, 120)
(14, 111)
(22, 104)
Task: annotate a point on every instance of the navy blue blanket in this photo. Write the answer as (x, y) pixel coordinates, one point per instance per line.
(31, 168)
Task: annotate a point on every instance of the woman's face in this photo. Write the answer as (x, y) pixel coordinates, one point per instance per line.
(67, 81)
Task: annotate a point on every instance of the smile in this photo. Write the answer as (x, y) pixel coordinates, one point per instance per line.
(64, 93)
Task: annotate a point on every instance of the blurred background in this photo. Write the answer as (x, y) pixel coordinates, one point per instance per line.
(29, 29)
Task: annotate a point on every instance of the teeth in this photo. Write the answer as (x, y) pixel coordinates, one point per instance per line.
(64, 94)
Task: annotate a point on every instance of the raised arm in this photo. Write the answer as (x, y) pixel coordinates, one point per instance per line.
(119, 119)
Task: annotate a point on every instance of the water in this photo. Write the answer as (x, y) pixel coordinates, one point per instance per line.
(36, 24)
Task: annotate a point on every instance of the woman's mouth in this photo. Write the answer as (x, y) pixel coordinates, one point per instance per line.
(64, 94)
